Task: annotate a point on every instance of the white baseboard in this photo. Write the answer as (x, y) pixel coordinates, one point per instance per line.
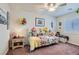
(74, 43)
(5, 52)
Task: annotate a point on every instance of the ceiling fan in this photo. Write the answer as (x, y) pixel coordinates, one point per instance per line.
(53, 6)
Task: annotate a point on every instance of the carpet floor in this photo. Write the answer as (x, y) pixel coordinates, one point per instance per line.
(56, 49)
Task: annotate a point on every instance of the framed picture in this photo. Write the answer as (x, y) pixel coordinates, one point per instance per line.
(3, 17)
(51, 24)
(40, 22)
(60, 23)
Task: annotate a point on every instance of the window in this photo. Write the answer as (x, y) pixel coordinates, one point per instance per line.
(71, 25)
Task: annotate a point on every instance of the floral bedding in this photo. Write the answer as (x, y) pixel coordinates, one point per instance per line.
(42, 41)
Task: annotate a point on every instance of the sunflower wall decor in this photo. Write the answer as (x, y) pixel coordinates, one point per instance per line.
(22, 20)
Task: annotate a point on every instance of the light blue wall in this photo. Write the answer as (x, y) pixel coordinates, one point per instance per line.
(30, 17)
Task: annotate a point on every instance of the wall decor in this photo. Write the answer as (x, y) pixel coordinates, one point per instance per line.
(22, 20)
(3, 17)
(60, 23)
(52, 25)
(59, 27)
(40, 22)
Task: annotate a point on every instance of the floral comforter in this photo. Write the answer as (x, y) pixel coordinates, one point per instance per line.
(42, 41)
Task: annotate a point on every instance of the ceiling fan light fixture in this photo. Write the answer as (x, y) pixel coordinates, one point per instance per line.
(51, 9)
(46, 5)
(51, 6)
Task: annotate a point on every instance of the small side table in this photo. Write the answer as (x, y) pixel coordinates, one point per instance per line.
(17, 42)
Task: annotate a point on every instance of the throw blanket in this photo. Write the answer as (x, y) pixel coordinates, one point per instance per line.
(34, 42)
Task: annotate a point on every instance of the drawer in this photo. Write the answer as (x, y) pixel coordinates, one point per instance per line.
(17, 40)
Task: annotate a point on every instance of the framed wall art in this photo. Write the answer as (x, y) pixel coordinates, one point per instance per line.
(52, 25)
(4, 17)
(39, 22)
(60, 23)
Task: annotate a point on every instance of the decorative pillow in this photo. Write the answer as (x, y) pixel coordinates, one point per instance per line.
(34, 29)
(51, 33)
(54, 33)
(13, 35)
(45, 29)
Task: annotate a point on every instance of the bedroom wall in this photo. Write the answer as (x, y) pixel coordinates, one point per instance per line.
(74, 36)
(4, 34)
(30, 17)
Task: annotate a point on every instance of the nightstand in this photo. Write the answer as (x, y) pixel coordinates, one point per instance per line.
(17, 42)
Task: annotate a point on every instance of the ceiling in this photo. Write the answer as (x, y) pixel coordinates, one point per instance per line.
(39, 8)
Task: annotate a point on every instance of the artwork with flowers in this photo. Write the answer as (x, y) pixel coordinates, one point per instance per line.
(22, 20)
